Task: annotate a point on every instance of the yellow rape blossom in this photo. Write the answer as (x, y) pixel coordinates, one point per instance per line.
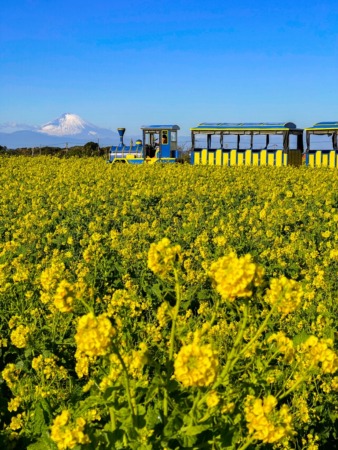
(264, 422)
(11, 375)
(285, 294)
(162, 257)
(19, 336)
(94, 334)
(66, 434)
(64, 296)
(212, 399)
(235, 277)
(17, 421)
(317, 353)
(196, 365)
(284, 345)
(14, 404)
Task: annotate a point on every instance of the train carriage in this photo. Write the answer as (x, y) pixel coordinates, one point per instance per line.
(322, 145)
(249, 144)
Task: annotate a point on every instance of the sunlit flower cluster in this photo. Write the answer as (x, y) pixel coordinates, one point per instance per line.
(64, 297)
(94, 335)
(196, 365)
(163, 256)
(19, 336)
(66, 434)
(318, 353)
(265, 422)
(235, 277)
(285, 294)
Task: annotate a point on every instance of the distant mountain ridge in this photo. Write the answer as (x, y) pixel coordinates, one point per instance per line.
(68, 129)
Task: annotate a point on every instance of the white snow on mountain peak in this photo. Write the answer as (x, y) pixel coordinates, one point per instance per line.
(69, 128)
(67, 124)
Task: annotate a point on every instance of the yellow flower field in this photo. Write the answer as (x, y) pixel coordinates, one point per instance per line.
(167, 307)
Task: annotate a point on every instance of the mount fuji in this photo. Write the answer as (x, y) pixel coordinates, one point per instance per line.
(68, 128)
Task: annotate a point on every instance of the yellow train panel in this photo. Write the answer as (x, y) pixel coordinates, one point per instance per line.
(263, 158)
(211, 158)
(240, 158)
(311, 160)
(255, 159)
(332, 162)
(197, 158)
(233, 157)
(204, 156)
(226, 159)
(325, 160)
(218, 157)
(271, 159)
(279, 158)
(285, 159)
(318, 160)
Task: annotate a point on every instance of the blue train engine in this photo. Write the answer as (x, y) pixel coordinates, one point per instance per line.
(159, 145)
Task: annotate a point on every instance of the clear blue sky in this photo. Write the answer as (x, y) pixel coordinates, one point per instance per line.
(132, 62)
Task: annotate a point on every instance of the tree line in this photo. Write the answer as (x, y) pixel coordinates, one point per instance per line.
(89, 149)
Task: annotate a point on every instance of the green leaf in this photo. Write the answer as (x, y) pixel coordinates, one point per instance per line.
(44, 443)
(193, 430)
(300, 338)
(39, 422)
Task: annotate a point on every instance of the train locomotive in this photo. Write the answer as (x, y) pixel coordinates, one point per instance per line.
(233, 144)
(159, 144)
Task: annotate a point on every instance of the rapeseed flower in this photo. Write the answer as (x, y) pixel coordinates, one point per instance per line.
(196, 365)
(19, 336)
(264, 422)
(64, 297)
(235, 277)
(11, 375)
(317, 353)
(66, 434)
(163, 256)
(93, 335)
(285, 294)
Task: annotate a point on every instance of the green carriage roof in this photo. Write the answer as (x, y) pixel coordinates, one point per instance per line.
(160, 127)
(214, 126)
(323, 126)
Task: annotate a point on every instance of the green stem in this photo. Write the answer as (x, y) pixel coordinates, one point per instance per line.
(165, 403)
(175, 314)
(112, 418)
(292, 388)
(258, 333)
(238, 340)
(126, 375)
(172, 339)
(246, 444)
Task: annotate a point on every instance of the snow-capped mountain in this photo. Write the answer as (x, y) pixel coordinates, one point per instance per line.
(73, 125)
(68, 128)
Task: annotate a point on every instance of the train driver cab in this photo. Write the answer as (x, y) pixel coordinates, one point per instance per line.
(160, 142)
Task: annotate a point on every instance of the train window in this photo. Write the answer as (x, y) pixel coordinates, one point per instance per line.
(229, 141)
(275, 142)
(173, 136)
(259, 141)
(201, 141)
(245, 142)
(321, 142)
(215, 142)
